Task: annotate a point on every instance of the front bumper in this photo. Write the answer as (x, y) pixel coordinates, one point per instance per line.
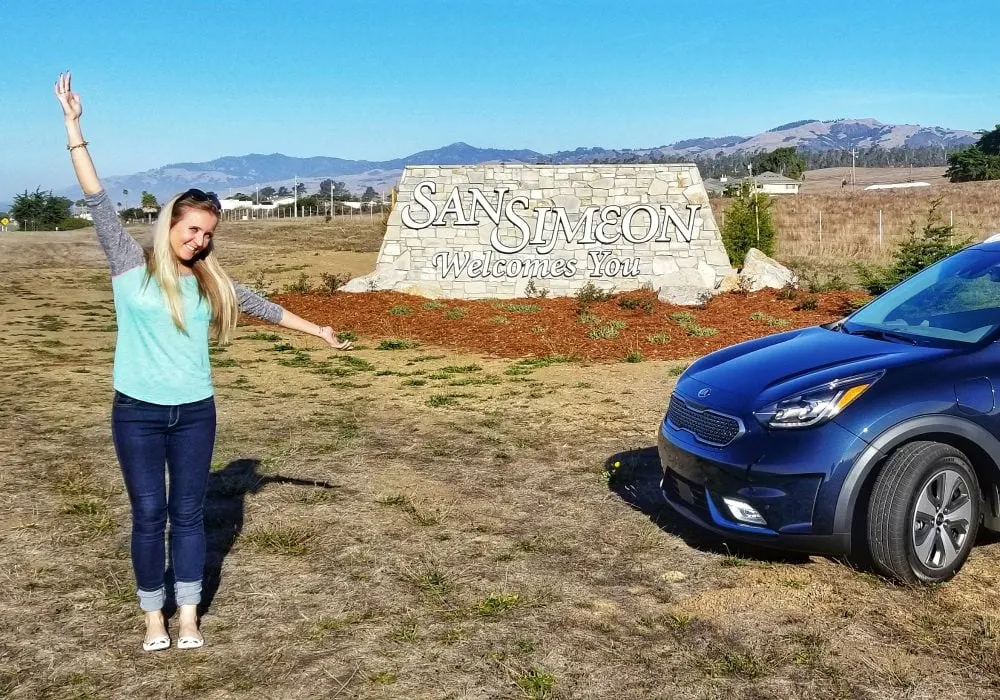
(794, 504)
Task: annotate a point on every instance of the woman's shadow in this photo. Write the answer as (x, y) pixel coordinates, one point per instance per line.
(225, 504)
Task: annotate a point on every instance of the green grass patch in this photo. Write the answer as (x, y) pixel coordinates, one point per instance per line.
(437, 400)
(271, 337)
(658, 338)
(497, 604)
(433, 305)
(537, 683)
(396, 344)
(518, 308)
(456, 313)
(604, 331)
(400, 310)
(461, 369)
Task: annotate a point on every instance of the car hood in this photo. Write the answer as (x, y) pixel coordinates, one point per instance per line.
(742, 377)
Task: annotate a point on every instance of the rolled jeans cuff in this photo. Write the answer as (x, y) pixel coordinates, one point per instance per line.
(150, 601)
(187, 592)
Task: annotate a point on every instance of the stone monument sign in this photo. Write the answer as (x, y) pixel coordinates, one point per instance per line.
(478, 231)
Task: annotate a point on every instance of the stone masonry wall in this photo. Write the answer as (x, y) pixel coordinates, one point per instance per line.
(454, 258)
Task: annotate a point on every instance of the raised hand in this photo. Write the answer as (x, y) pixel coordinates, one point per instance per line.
(70, 101)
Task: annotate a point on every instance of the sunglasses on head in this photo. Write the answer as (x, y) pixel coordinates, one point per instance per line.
(200, 196)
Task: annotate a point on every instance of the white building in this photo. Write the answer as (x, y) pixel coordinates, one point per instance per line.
(773, 183)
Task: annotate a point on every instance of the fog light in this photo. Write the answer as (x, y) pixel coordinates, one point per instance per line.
(744, 512)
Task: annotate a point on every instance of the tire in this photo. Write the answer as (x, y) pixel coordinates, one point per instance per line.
(924, 513)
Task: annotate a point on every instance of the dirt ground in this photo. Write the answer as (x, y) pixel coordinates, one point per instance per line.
(420, 522)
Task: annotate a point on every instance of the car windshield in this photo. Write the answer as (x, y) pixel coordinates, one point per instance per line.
(954, 302)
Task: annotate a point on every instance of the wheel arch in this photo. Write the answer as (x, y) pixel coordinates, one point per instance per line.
(977, 443)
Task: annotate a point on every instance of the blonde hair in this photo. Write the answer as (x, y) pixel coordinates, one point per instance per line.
(214, 284)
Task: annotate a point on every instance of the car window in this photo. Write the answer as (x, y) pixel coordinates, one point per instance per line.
(954, 301)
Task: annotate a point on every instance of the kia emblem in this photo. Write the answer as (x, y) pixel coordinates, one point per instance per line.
(704, 392)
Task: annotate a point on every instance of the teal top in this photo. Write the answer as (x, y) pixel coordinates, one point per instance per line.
(154, 360)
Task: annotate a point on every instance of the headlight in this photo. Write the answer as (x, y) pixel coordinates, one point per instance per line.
(818, 404)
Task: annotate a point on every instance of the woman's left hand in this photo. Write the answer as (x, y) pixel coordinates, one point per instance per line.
(327, 334)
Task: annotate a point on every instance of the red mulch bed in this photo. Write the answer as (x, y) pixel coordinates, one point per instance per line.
(556, 329)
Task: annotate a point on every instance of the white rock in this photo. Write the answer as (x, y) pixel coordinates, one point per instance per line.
(684, 295)
(760, 271)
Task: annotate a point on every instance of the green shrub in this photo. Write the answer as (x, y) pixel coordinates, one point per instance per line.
(590, 293)
(72, 223)
(331, 283)
(633, 303)
(920, 249)
(748, 224)
(301, 285)
(534, 292)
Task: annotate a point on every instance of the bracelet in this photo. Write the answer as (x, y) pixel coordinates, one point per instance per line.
(79, 145)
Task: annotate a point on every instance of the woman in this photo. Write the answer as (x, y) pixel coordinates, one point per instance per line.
(167, 300)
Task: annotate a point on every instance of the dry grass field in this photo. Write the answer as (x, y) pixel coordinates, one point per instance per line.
(415, 523)
(825, 230)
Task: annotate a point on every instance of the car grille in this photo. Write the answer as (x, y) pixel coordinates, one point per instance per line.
(712, 428)
(686, 493)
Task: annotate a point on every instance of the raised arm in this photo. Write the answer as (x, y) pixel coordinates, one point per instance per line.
(123, 251)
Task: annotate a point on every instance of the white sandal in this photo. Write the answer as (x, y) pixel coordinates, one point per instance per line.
(190, 642)
(156, 643)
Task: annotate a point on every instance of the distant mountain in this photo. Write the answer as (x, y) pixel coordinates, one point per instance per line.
(242, 173)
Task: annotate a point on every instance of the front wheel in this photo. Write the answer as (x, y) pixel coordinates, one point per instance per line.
(924, 513)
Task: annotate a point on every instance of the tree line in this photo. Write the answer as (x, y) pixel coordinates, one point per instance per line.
(978, 162)
(790, 162)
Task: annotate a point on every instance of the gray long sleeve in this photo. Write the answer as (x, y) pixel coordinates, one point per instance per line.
(123, 251)
(258, 306)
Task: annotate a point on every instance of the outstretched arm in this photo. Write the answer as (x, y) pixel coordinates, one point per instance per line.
(123, 251)
(258, 306)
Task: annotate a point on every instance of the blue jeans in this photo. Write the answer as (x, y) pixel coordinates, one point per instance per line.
(148, 436)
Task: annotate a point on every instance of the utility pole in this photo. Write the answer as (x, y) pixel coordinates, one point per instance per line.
(753, 193)
(295, 193)
(854, 181)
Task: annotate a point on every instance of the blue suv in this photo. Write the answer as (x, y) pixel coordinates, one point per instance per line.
(877, 433)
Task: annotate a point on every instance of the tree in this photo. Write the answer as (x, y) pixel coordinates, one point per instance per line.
(989, 142)
(748, 224)
(917, 251)
(266, 193)
(338, 188)
(300, 188)
(40, 211)
(973, 164)
(369, 195)
(284, 192)
(978, 162)
(784, 161)
(149, 201)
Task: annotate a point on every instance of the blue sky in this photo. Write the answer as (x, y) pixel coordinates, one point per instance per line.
(191, 81)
